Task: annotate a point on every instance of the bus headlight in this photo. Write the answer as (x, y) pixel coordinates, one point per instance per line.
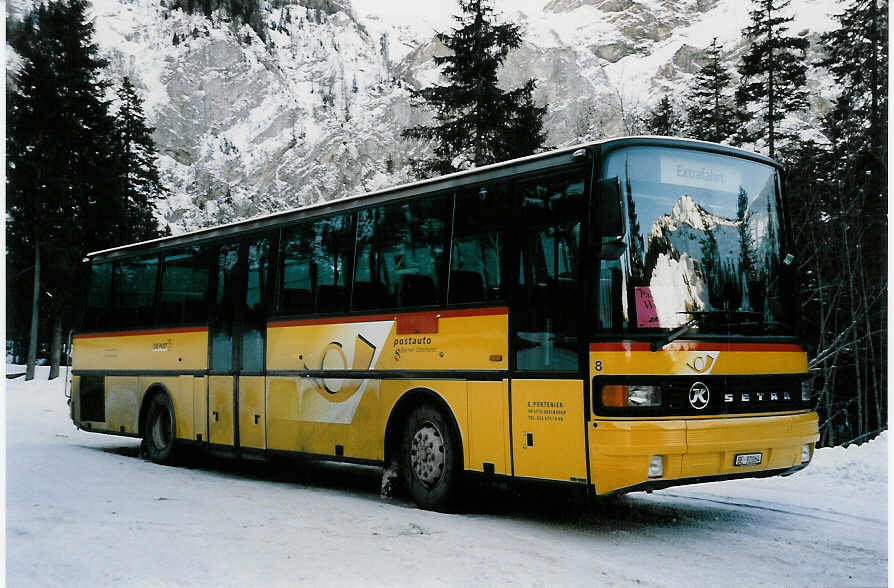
(630, 395)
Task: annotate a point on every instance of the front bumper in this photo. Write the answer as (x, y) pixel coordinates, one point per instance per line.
(695, 450)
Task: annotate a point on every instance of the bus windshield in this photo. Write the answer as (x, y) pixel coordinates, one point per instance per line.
(703, 243)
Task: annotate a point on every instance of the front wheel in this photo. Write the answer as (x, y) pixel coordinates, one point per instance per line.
(431, 464)
(159, 429)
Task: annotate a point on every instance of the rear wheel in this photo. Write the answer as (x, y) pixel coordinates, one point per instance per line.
(159, 429)
(431, 466)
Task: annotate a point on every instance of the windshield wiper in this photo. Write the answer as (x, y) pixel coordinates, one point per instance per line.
(673, 335)
(728, 314)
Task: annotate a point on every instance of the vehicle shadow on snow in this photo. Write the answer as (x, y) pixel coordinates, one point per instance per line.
(539, 503)
(577, 510)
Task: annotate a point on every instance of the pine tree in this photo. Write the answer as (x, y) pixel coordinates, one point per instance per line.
(858, 59)
(857, 126)
(137, 172)
(774, 75)
(62, 199)
(524, 131)
(664, 119)
(839, 196)
(710, 115)
(476, 122)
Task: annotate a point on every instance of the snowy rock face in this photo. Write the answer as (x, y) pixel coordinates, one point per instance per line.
(314, 110)
(688, 225)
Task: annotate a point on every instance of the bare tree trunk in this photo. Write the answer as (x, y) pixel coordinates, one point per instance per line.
(35, 301)
(55, 347)
(856, 348)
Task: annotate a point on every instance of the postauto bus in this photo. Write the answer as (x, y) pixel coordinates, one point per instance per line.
(619, 316)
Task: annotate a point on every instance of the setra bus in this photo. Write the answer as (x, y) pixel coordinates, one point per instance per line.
(620, 316)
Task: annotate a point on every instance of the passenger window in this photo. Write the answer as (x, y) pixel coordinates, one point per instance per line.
(257, 293)
(226, 293)
(134, 286)
(400, 254)
(99, 297)
(478, 241)
(296, 287)
(316, 257)
(184, 286)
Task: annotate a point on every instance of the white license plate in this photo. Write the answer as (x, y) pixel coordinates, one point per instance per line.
(748, 459)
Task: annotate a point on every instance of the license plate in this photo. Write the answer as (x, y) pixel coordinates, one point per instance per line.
(748, 459)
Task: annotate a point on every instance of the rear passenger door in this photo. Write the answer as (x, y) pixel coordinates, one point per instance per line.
(242, 288)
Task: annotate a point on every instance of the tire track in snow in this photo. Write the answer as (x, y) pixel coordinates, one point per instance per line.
(792, 509)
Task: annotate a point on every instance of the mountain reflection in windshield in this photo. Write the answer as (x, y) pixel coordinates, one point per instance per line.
(703, 239)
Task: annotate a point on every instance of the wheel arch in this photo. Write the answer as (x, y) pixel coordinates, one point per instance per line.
(153, 390)
(408, 401)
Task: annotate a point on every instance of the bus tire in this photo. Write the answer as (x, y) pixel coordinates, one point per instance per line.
(430, 463)
(159, 430)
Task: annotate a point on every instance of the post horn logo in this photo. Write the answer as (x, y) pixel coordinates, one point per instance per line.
(699, 396)
(702, 364)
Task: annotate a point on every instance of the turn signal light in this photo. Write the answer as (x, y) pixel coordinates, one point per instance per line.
(627, 395)
(615, 396)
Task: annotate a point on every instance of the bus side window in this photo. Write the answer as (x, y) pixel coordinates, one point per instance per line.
(224, 305)
(257, 296)
(400, 254)
(184, 286)
(99, 297)
(609, 296)
(134, 283)
(333, 244)
(296, 268)
(478, 243)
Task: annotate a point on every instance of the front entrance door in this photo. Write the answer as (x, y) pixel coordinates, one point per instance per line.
(243, 289)
(547, 314)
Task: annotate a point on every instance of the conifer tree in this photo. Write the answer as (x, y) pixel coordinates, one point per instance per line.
(476, 122)
(840, 205)
(137, 171)
(63, 197)
(710, 115)
(858, 59)
(664, 119)
(524, 131)
(774, 75)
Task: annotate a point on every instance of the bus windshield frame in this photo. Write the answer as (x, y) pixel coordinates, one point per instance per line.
(679, 262)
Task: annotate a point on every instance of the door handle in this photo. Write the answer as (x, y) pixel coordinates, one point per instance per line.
(257, 416)
(215, 415)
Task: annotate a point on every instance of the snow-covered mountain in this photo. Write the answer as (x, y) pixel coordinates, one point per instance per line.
(687, 227)
(314, 111)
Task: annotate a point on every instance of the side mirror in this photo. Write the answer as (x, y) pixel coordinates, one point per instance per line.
(612, 248)
(608, 209)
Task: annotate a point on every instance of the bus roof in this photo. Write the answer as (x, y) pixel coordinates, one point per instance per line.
(523, 165)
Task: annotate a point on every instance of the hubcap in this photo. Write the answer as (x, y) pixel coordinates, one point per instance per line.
(427, 454)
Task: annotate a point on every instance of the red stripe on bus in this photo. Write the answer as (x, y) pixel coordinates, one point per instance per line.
(146, 332)
(466, 312)
(698, 346)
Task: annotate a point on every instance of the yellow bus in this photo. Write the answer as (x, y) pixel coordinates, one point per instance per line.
(619, 316)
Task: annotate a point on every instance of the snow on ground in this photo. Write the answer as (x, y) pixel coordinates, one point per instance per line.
(83, 509)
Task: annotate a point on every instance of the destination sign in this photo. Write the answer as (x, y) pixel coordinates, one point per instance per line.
(700, 173)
